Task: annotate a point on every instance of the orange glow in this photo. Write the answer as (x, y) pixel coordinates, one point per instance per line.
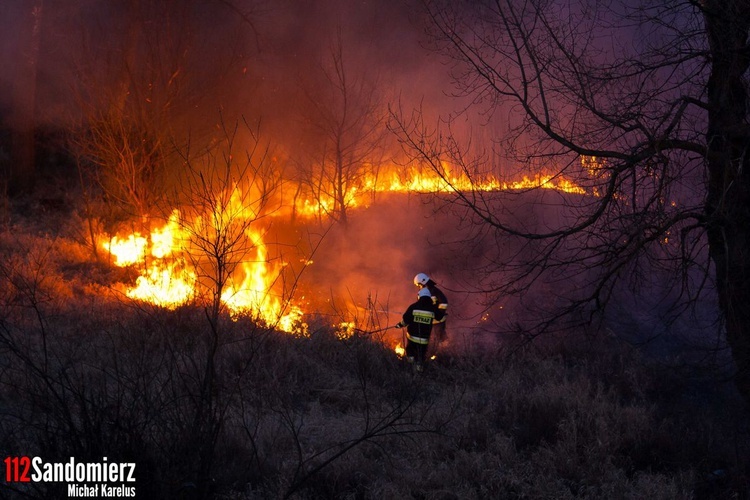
(544, 182)
(164, 284)
(127, 250)
(177, 259)
(395, 179)
(172, 256)
(428, 181)
(346, 329)
(251, 290)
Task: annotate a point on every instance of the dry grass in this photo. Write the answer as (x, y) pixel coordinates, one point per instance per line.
(88, 374)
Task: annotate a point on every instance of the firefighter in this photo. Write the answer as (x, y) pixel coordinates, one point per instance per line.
(440, 301)
(418, 320)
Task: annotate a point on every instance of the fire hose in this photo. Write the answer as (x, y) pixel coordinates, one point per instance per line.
(370, 332)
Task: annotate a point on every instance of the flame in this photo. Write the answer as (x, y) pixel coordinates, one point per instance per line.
(172, 260)
(253, 292)
(544, 182)
(346, 329)
(442, 179)
(164, 284)
(429, 181)
(127, 250)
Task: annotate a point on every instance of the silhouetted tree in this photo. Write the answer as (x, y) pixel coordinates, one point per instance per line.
(646, 107)
(224, 194)
(345, 113)
(143, 88)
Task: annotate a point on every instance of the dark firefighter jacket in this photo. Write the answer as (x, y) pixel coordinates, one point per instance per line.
(440, 302)
(418, 320)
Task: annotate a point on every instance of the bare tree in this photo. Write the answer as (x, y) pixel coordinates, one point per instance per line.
(125, 103)
(224, 193)
(346, 114)
(138, 90)
(646, 108)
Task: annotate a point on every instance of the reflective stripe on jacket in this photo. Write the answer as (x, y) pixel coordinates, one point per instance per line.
(440, 301)
(417, 340)
(418, 319)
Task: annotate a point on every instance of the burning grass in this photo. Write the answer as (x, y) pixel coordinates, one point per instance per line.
(217, 248)
(264, 414)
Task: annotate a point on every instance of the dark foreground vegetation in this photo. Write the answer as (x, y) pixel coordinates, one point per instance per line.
(87, 373)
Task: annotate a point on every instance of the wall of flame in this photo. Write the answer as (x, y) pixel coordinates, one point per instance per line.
(168, 259)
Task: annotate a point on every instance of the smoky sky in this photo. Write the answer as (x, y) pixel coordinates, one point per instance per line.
(243, 57)
(250, 59)
(206, 60)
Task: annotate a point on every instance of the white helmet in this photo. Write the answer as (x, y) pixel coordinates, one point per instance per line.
(421, 279)
(424, 292)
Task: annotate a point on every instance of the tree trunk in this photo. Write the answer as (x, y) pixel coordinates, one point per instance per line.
(728, 197)
(340, 189)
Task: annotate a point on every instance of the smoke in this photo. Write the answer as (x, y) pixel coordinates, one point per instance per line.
(189, 67)
(365, 270)
(193, 64)
(379, 42)
(367, 266)
(249, 57)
